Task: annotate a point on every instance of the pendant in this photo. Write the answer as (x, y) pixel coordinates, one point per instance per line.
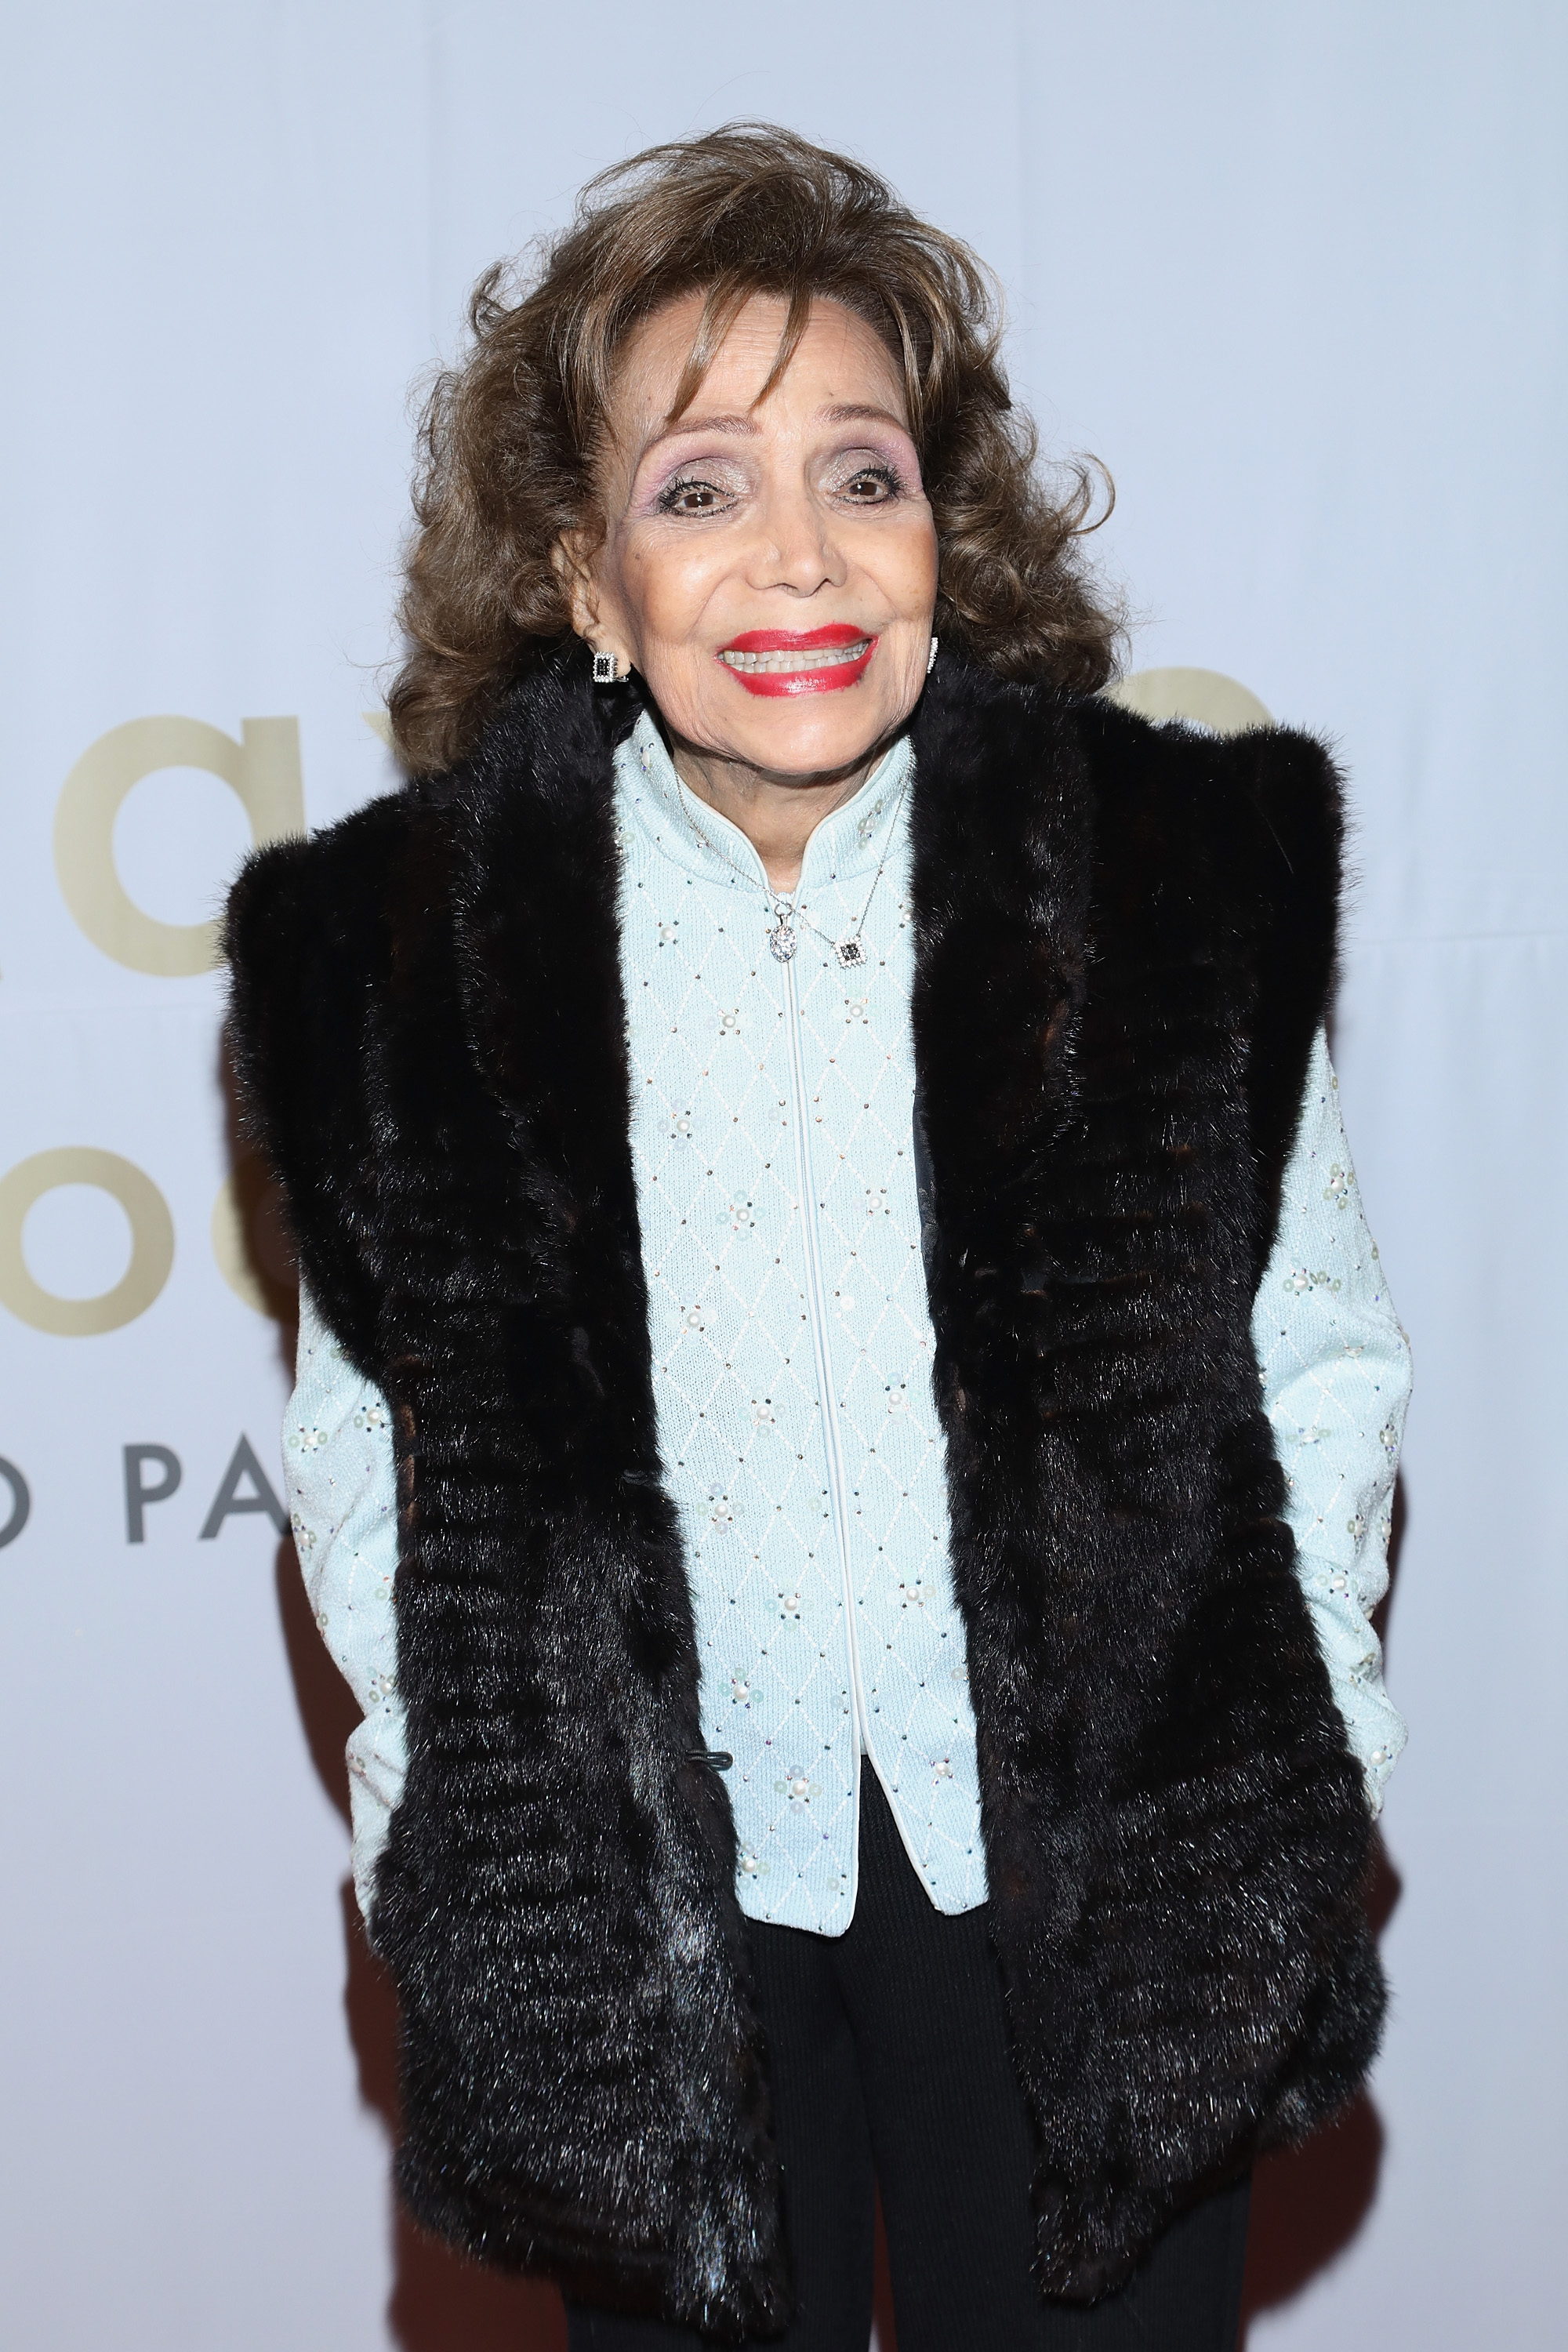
(783, 942)
(851, 952)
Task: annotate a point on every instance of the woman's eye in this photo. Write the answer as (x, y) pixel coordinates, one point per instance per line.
(690, 498)
(872, 486)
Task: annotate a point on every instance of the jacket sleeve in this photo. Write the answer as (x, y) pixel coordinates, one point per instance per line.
(342, 1500)
(1336, 1366)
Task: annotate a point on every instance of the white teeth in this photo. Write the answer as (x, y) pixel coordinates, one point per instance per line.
(809, 657)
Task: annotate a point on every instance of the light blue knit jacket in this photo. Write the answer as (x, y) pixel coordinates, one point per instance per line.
(792, 1352)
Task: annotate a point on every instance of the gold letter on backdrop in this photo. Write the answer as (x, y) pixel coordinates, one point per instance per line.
(152, 1242)
(1205, 697)
(262, 770)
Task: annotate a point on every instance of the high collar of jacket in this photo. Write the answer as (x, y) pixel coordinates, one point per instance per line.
(850, 844)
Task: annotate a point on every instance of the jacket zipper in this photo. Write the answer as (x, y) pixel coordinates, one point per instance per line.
(817, 1302)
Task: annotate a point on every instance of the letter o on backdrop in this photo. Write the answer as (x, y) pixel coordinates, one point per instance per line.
(152, 1242)
(263, 773)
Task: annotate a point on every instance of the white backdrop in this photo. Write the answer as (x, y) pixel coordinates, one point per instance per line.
(1298, 274)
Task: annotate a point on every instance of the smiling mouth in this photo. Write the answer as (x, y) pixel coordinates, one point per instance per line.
(814, 661)
(786, 665)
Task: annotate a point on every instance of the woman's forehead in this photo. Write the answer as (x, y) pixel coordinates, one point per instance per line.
(839, 360)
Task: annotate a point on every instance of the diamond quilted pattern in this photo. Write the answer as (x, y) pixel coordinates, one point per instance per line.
(799, 1576)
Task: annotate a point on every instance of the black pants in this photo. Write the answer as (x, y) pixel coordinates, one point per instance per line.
(888, 2057)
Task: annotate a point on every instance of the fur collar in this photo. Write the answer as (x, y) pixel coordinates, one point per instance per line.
(1124, 943)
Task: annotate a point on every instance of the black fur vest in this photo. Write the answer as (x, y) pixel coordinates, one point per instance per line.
(1125, 938)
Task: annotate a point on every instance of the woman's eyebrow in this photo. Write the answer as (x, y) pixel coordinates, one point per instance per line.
(689, 423)
(745, 424)
(853, 413)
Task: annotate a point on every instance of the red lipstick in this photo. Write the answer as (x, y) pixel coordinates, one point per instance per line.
(781, 661)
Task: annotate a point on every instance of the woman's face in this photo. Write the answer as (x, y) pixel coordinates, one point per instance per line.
(769, 567)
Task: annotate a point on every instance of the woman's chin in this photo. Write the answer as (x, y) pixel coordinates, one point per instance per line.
(807, 751)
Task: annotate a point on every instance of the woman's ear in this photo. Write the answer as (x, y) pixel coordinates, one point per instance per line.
(573, 557)
(569, 558)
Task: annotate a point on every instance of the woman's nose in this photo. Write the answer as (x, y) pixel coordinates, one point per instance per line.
(796, 548)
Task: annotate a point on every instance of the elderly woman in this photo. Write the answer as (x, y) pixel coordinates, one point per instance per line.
(825, 1225)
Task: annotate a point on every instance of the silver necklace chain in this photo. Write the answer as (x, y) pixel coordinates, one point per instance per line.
(850, 950)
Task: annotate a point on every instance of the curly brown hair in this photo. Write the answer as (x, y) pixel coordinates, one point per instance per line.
(510, 438)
